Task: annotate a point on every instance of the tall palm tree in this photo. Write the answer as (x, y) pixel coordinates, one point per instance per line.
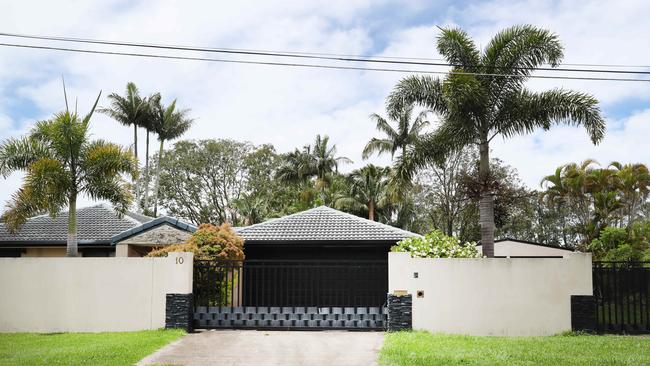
(368, 190)
(130, 110)
(169, 124)
(149, 125)
(61, 162)
(484, 97)
(400, 138)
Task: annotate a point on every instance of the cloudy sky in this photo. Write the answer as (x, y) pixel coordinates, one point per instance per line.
(289, 106)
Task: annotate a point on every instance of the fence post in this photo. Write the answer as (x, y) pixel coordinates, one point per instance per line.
(400, 312)
(179, 311)
(583, 313)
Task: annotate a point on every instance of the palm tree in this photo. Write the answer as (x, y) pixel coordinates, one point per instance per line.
(169, 124)
(396, 139)
(318, 161)
(325, 161)
(484, 97)
(130, 110)
(149, 125)
(368, 190)
(60, 163)
(297, 166)
(634, 183)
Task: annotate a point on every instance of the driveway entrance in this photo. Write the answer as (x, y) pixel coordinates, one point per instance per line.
(290, 294)
(250, 347)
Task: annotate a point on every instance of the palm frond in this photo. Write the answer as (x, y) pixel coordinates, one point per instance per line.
(19, 153)
(425, 91)
(378, 146)
(526, 111)
(458, 48)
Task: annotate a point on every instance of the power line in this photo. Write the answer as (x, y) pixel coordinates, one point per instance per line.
(301, 55)
(289, 64)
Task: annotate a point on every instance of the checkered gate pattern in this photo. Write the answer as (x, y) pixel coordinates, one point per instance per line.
(290, 294)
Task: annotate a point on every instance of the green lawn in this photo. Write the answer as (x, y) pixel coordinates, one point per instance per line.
(422, 348)
(82, 348)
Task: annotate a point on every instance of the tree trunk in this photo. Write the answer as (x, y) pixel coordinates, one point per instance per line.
(146, 174)
(155, 194)
(135, 140)
(486, 202)
(371, 211)
(137, 183)
(71, 247)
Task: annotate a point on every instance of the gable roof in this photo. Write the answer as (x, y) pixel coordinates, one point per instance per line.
(163, 220)
(553, 246)
(321, 224)
(95, 224)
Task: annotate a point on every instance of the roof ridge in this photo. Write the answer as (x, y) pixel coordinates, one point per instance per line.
(280, 218)
(323, 220)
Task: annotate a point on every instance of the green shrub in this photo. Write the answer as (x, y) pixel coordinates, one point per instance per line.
(437, 245)
(623, 244)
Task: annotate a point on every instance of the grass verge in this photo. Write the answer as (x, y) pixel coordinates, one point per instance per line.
(121, 348)
(423, 348)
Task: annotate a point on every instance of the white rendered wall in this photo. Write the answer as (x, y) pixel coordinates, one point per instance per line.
(89, 294)
(492, 296)
(509, 248)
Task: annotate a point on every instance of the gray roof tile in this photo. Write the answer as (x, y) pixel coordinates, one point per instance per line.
(322, 224)
(95, 224)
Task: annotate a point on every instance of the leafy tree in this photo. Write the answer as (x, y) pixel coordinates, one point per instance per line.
(61, 162)
(484, 97)
(447, 195)
(201, 180)
(169, 123)
(216, 181)
(405, 135)
(439, 192)
(631, 243)
(367, 190)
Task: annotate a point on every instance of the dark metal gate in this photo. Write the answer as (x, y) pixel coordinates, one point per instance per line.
(322, 294)
(622, 296)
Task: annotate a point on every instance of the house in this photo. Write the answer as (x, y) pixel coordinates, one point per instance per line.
(101, 233)
(514, 248)
(321, 233)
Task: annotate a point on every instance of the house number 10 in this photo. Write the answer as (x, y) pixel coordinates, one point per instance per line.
(179, 260)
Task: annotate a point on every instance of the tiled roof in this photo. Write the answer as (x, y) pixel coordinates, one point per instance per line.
(322, 224)
(95, 225)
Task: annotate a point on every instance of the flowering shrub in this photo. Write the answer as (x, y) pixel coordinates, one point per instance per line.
(437, 245)
(208, 241)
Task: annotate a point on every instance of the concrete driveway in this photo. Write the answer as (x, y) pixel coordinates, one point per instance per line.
(287, 348)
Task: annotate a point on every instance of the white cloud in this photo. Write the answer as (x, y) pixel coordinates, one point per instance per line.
(289, 106)
(538, 154)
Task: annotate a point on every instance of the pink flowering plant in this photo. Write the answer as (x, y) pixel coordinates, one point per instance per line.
(437, 245)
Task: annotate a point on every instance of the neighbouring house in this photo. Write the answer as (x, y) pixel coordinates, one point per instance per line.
(138, 241)
(101, 233)
(514, 248)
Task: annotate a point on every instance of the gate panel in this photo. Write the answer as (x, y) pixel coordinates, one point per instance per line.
(622, 294)
(290, 294)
